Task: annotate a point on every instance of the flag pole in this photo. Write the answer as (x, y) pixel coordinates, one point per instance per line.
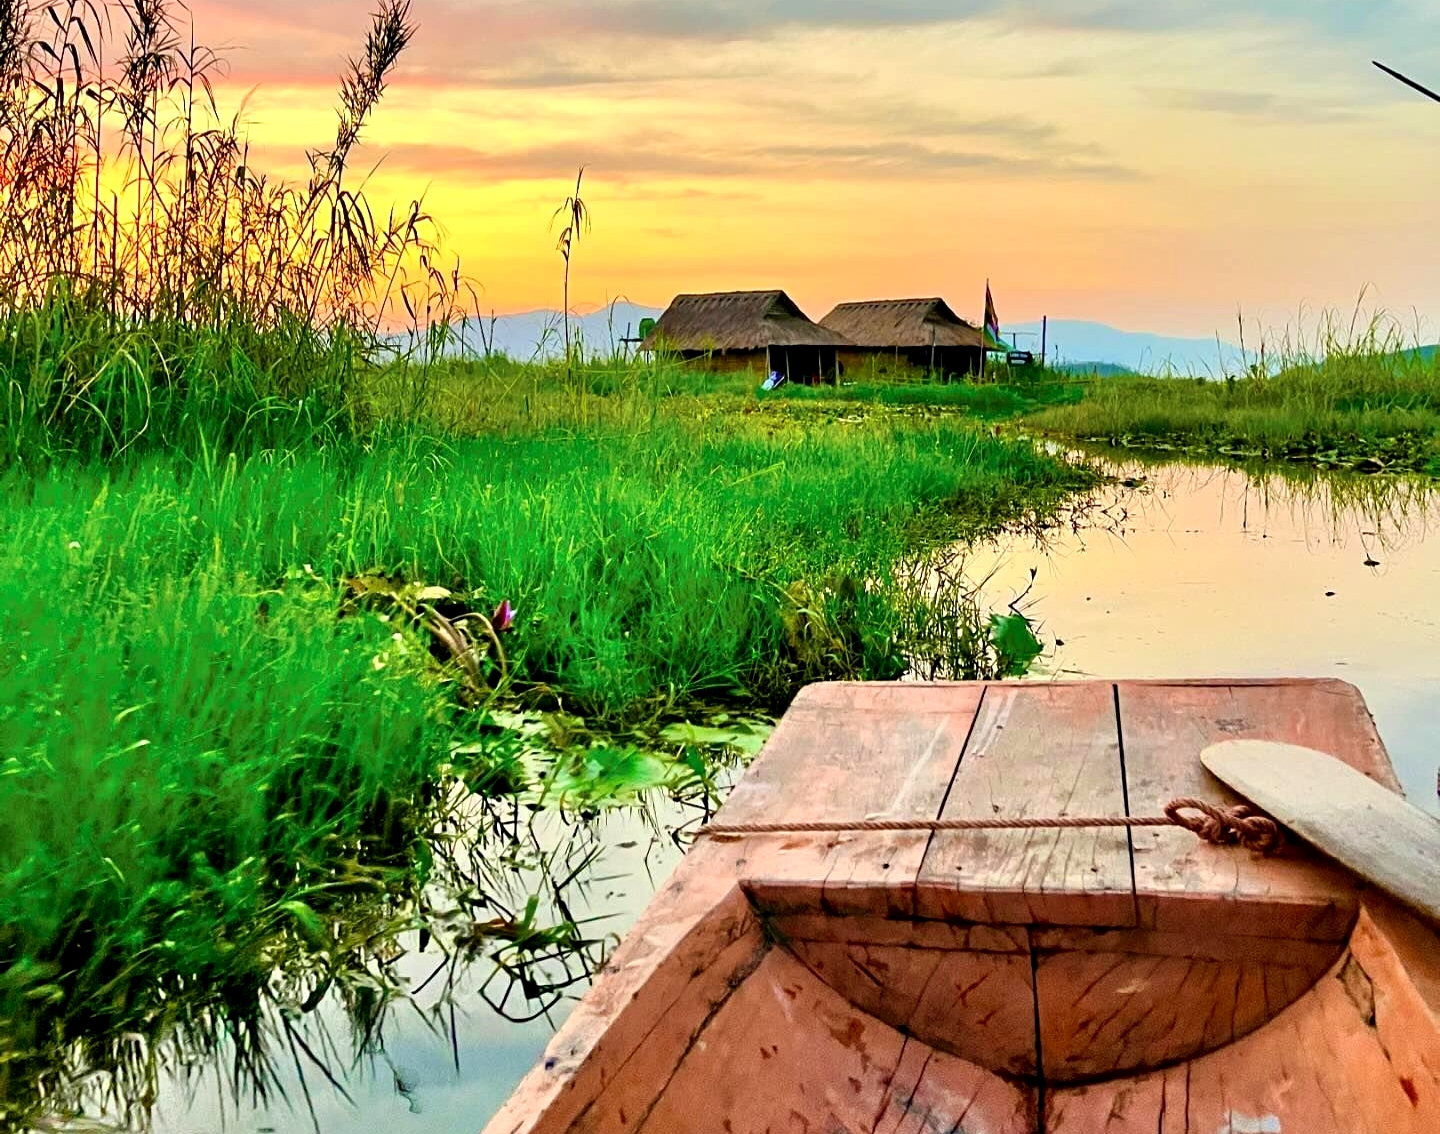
(984, 313)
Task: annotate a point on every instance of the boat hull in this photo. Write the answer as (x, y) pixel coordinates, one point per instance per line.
(1012, 982)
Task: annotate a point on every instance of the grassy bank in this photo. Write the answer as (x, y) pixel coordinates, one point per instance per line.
(1366, 405)
(191, 661)
(983, 401)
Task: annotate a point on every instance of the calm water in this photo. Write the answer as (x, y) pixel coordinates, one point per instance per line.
(413, 1085)
(1195, 572)
(1210, 572)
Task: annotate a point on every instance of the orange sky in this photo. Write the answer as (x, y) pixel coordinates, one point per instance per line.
(1152, 164)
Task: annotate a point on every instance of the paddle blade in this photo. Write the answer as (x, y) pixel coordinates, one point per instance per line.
(1330, 805)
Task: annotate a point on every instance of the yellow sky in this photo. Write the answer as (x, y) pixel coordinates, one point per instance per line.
(1152, 164)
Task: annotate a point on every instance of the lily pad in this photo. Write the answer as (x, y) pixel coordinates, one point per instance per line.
(738, 736)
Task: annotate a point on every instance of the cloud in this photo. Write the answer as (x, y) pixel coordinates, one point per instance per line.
(914, 119)
(747, 19)
(539, 43)
(1253, 104)
(674, 157)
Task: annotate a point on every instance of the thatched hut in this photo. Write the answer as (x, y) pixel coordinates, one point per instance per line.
(762, 331)
(921, 333)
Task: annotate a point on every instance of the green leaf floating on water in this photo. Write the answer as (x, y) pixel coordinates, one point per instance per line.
(740, 737)
(1015, 641)
(607, 775)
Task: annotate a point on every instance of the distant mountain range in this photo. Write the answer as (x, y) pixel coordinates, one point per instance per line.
(540, 334)
(1081, 345)
(1077, 344)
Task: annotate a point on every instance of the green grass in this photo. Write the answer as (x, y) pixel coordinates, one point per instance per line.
(1093, 370)
(499, 394)
(77, 382)
(182, 658)
(983, 401)
(1368, 405)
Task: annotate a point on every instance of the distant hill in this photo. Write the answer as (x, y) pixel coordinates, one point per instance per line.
(537, 334)
(1069, 340)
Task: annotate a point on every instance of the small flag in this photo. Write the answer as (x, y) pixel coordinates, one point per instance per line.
(992, 320)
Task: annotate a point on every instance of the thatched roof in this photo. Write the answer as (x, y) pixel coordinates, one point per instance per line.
(902, 323)
(737, 320)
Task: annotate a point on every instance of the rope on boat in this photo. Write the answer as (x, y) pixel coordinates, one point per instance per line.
(1223, 826)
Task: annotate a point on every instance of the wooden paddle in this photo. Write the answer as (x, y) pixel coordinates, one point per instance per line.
(1330, 805)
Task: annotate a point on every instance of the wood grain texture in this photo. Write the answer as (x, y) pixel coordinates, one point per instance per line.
(1119, 1001)
(632, 1084)
(975, 1005)
(784, 1053)
(1314, 956)
(1356, 1055)
(700, 924)
(786, 928)
(1107, 1014)
(1401, 958)
(1036, 751)
(934, 1092)
(1183, 884)
(1366, 827)
(848, 751)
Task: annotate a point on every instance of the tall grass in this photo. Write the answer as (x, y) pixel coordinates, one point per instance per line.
(190, 748)
(1363, 396)
(150, 275)
(199, 727)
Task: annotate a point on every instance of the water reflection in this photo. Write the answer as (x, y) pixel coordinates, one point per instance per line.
(445, 1016)
(1200, 571)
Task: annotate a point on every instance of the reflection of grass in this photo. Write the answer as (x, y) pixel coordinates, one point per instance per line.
(1393, 510)
(1359, 402)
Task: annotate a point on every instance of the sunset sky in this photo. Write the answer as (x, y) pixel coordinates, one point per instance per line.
(1153, 164)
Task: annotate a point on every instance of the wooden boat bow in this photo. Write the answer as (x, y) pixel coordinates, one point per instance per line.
(1015, 980)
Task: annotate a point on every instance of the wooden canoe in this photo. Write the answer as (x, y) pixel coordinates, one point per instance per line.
(1050, 980)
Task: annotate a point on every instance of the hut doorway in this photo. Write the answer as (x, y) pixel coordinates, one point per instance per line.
(804, 364)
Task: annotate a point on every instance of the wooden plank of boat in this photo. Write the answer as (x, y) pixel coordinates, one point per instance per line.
(826, 981)
(1358, 1054)
(880, 749)
(1036, 750)
(1330, 805)
(1178, 878)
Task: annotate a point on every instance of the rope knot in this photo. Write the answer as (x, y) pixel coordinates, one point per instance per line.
(1226, 826)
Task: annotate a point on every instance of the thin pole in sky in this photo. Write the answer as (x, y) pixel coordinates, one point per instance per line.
(1426, 91)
